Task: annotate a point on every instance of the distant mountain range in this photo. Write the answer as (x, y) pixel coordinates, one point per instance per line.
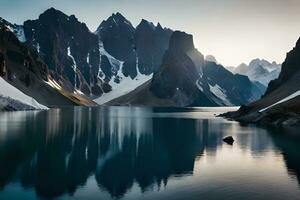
(280, 106)
(258, 70)
(58, 61)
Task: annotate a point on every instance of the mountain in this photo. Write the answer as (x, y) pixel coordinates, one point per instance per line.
(178, 75)
(259, 70)
(117, 36)
(73, 65)
(280, 106)
(22, 68)
(103, 65)
(69, 49)
(185, 78)
(129, 56)
(144, 44)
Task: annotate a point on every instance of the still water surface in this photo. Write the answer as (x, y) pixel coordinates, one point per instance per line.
(143, 153)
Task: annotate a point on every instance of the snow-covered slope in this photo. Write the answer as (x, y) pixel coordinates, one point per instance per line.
(292, 96)
(120, 84)
(10, 92)
(220, 93)
(125, 86)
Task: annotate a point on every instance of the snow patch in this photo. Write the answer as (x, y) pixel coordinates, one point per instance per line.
(198, 84)
(294, 95)
(125, 86)
(115, 63)
(7, 90)
(74, 66)
(38, 48)
(88, 58)
(220, 93)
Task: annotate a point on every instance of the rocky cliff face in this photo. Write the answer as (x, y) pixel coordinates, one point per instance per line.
(151, 42)
(141, 48)
(290, 67)
(117, 35)
(23, 68)
(68, 47)
(177, 77)
(129, 56)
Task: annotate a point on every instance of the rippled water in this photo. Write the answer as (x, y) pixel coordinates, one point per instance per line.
(143, 153)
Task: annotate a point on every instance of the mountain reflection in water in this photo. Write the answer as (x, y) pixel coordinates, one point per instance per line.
(56, 153)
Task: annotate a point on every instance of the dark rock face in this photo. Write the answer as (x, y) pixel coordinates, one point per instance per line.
(181, 42)
(141, 48)
(11, 50)
(178, 73)
(23, 68)
(151, 42)
(2, 65)
(117, 35)
(67, 47)
(290, 67)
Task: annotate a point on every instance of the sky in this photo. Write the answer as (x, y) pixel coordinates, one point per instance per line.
(234, 31)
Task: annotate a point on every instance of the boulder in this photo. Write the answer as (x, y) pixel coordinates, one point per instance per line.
(229, 140)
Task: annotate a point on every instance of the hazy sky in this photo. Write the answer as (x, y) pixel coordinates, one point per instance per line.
(234, 31)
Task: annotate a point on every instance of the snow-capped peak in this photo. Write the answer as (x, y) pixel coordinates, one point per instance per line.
(259, 70)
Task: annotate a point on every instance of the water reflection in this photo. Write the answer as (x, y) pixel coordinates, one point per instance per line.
(288, 144)
(56, 152)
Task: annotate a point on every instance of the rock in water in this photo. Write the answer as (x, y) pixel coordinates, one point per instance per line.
(228, 140)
